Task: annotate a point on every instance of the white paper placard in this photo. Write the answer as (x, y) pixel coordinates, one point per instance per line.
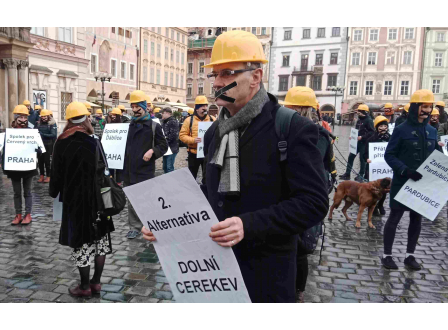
(57, 209)
(2, 140)
(391, 128)
(169, 152)
(114, 144)
(20, 149)
(444, 139)
(175, 209)
(380, 170)
(428, 195)
(202, 128)
(376, 151)
(30, 125)
(40, 143)
(353, 142)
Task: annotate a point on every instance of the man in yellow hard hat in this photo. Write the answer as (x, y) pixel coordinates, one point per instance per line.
(440, 105)
(34, 115)
(404, 115)
(125, 118)
(19, 178)
(149, 107)
(98, 123)
(365, 128)
(389, 112)
(48, 132)
(409, 146)
(434, 118)
(144, 145)
(189, 133)
(260, 214)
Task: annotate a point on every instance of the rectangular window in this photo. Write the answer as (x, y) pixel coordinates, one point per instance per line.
(263, 31)
(153, 29)
(167, 32)
(353, 87)
(152, 49)
(371, 60)
(145, 46)
(436, 86)
(356, 58)
(123, 70)
(306, 34)
(128, 34)
(440, 36)
(183, 38)
(166, 79)
(131, 72)
(390, 58)
(404, 90)
(145, 74)
(172, 54)
(177, 80)
(65, 34)
(172, 34)
(321, 32)
(211, 88)
(151, 75)
(283, 84)
(332, 80)
(66, 99)
(285, 60)
(254, 30)
(301, 80)
(166, 53)
(373, 35)
(182, 81)
(438, 61)
(178, 36)
(334, 58)
(190, 67)
(388, 87)
(113, 30)
(177, 56)
(369, 87)
(288, 35)
(201, 69)
(189, 89)
(171, 79)
(120, 32)
(93, 61)
(201, 89)
(357, 35)
(392, 34)
(317, 83)
(158, 50)
(407, 57)
(336, 32)
(113, 68)
(182, 58)
(319, 59)
(159, 30)
(158, 77)
(304, 62)
(409, 33)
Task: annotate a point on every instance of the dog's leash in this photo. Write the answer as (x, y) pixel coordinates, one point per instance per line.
(346, 163)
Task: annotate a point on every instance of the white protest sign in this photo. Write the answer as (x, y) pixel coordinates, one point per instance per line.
(391, 128)
(114, 144)
(202, 128)
(2, 140)
(40, 143)
(175, 209)
(57, 209)
(428, 195)
(169, 152)
(30, 125)
(20, 149)
(353, 142)
(444, 139)
(378, 168)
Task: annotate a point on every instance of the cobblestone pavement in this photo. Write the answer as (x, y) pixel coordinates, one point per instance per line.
(35, 268)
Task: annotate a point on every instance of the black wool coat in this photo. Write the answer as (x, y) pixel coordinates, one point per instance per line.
(75, 176)
(171, 129)
(277, 202)
(139, 141)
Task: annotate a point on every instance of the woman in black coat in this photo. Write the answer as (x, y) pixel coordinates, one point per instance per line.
(75, 177)
(411, 143)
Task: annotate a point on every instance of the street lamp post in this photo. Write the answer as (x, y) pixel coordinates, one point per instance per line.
(102, 76)
(336, 89)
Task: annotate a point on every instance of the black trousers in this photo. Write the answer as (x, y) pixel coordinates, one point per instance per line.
(302, 272)
(45, 161)
(390, 229)
(194, 163)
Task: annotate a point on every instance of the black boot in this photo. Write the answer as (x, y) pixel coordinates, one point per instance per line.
(344, 176)
(411, 263)
(359, 179)
(389, 263)
(382, 210)
(376, 212)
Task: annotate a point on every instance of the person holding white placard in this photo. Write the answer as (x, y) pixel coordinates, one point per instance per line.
(21, 178)
(411, 143)
(115, 117)
(171, 129)
(48, 131)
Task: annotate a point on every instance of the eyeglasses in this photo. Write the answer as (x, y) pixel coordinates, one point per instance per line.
(226, 73)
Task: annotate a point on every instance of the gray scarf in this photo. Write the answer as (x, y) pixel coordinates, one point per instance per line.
(226, 156)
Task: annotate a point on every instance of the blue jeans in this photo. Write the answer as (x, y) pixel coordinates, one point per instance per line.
(168, 163)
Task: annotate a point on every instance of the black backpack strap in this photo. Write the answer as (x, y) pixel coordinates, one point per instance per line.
(283, 119)
(191, 125)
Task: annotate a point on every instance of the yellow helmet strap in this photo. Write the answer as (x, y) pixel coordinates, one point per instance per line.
(220, 93)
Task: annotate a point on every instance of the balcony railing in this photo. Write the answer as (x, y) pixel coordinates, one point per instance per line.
(201, 43)
(301, 68)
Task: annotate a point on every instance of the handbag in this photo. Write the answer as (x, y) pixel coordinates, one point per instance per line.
(112, 195)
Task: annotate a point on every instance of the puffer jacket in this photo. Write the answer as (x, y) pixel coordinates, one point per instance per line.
(48, 131)
(188, 137)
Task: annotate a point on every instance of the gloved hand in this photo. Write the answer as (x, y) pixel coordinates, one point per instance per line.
(412, 174)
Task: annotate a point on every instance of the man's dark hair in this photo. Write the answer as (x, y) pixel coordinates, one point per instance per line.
(167, 110)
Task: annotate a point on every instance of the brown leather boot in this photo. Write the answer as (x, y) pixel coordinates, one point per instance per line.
(47, 179)
(17, 220)
(27, 219)
(41, 179)
(78, 292)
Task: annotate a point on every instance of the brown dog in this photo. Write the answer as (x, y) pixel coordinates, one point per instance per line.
(366, 195)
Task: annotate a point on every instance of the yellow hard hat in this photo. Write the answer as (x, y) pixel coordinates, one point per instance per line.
(156, 110)
(38, 107)
(76, 109)
(378, 120)
(363, 107)
(45, 112)
(422, 96)
(190, 111)
(51, 112)
(435, 111)
(388, 106)
(148, 100)
(26, 102)
(137, 96)
(21, 110)
(87, 104)
(99, 112)
(301, 96)
(201, 99)
(440, 103)
(121, 107)
(236, 46)
(406, 107)
(115, 111)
